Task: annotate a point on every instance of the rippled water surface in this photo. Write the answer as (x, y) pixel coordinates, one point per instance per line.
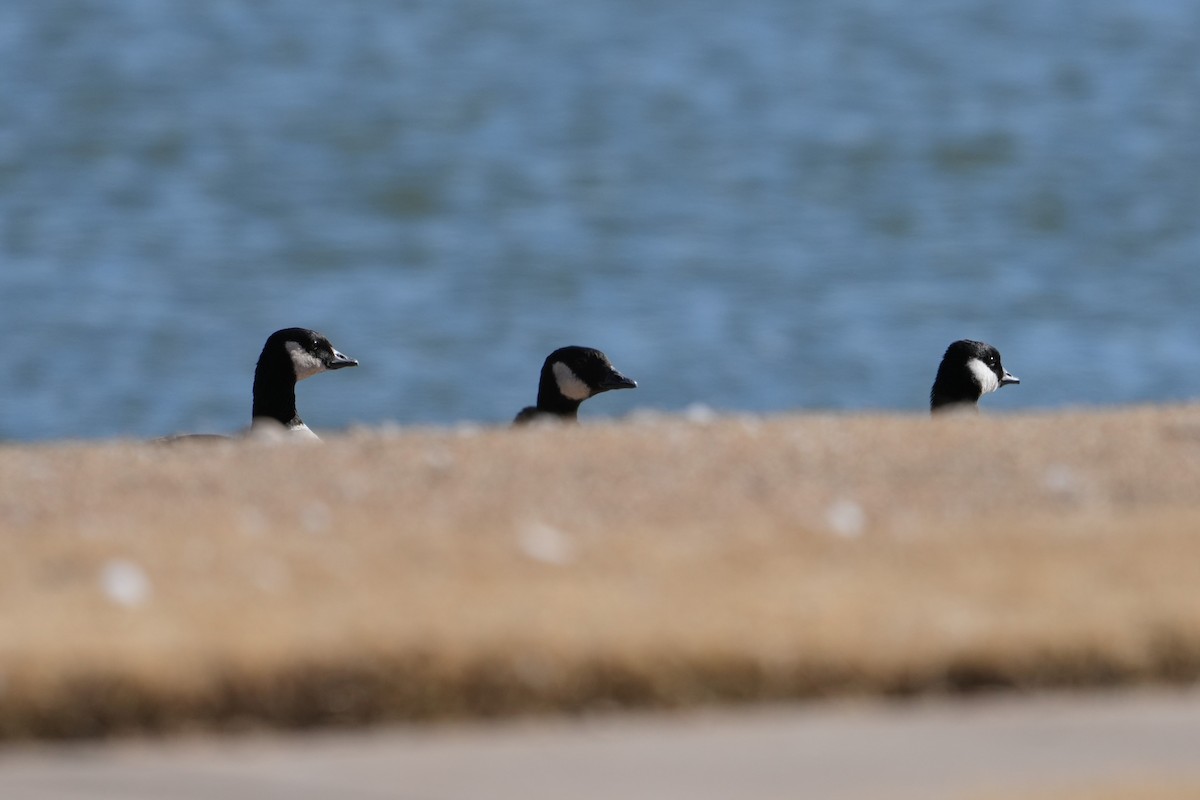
(766, 207)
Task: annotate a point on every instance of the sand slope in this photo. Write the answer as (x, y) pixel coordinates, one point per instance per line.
(415, 574)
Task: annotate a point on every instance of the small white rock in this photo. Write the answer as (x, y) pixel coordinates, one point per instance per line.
(438, 459)
(465, 430)
(846, 518)
(700, 414)
(1061, 480)
(546, 544)
(124, 583)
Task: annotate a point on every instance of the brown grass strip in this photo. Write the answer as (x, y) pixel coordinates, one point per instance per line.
(429, 574)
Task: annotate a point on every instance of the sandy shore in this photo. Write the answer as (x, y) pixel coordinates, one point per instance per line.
(426, 574)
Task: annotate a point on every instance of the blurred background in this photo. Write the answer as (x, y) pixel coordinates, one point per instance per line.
(775, 206)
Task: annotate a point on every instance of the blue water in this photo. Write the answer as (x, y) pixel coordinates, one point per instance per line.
(761, 207)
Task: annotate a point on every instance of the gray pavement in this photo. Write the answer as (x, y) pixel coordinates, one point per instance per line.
(925, 749)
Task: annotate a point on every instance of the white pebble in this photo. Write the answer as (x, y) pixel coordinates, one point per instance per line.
(846, 518)
(546, 544)
(124, 583)
(438, 459)
(1061, 480)
(700, 414)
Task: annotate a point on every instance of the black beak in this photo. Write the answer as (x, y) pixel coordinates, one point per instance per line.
(1008, 378)
(338, 361)
(615, 380)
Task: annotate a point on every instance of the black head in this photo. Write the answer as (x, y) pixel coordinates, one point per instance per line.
(290, 355)
(969, 370)
(308, 351)
(569, 376)
(581, 372)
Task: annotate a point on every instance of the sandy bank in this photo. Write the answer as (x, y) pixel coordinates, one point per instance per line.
(418, 574)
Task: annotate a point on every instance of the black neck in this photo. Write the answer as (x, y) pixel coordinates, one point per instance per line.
(275, 390)
(953, 392)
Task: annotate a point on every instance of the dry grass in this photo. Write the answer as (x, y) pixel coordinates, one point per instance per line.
(417, 574)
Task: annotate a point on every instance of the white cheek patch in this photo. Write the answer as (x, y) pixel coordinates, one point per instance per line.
(569, 384)
(987, 380)
(304, 362)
